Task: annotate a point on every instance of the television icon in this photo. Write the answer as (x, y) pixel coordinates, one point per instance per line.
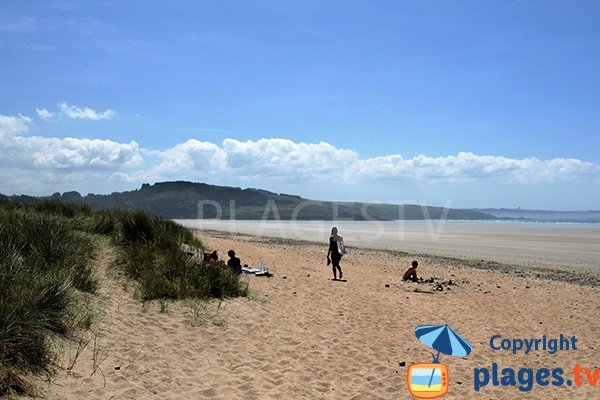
(427, 380)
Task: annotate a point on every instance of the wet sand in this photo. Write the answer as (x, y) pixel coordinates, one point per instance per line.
(557, 246)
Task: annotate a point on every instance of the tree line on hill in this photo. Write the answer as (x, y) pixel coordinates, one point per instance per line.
(189, 200)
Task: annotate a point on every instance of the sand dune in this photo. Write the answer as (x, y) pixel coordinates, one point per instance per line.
(301, 335)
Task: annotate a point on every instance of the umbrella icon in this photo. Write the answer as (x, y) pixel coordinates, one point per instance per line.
(443, 339)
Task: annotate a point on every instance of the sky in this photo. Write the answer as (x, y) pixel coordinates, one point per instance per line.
(465, 104)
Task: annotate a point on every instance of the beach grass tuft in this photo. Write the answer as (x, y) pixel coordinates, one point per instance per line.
(41, 264)
(47, 253)
(161, 256)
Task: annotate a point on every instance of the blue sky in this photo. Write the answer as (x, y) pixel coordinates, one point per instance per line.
(453, 103)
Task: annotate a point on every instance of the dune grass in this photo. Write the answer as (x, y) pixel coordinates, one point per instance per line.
(46, 262)
(42, 261)
(154, 257)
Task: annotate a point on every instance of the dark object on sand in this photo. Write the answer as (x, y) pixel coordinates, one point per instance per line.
(208, 257)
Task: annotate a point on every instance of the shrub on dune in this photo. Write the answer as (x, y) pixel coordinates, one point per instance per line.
(154, 257)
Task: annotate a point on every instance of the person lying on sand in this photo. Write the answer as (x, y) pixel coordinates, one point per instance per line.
(411, 273)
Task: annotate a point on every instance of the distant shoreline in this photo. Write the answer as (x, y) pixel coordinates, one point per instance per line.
(526, 272)
(565, 247)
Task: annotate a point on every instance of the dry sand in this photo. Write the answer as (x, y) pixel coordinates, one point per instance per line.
(301, 335)
(549, 245)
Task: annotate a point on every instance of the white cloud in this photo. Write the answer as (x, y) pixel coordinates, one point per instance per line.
(43, 113)
(287, 159)
(262, 163)
(55, 155)
(13, 125)
(278, 159)
(189, 157)
(469, 166)
(76, 112)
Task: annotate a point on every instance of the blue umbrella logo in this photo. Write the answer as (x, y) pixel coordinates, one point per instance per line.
(444, 340)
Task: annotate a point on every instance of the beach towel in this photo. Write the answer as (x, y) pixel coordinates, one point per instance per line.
(255, 270)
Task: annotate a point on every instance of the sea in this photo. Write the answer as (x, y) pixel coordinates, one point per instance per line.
(561, 245)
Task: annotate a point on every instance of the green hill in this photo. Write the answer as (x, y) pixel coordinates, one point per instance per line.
(188, 200)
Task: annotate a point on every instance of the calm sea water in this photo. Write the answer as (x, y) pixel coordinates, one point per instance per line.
(547, 244)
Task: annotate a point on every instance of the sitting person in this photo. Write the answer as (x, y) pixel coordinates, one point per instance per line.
(234, 262)
(210, 257)
(411, 273)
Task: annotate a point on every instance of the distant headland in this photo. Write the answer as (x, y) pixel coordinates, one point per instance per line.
(191, 200)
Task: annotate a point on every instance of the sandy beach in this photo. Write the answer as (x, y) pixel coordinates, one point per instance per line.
(546, 245)
(300, 335)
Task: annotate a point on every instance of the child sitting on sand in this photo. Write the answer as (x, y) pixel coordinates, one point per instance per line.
(411, 273)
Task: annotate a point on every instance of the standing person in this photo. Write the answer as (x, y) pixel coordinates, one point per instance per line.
(335, 252)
